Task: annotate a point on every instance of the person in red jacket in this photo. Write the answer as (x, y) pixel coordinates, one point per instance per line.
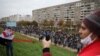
(90, 36)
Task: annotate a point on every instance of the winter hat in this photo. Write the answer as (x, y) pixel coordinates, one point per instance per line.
(92, 22)
(94, 18)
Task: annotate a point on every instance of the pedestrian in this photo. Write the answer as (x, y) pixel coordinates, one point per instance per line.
(7, 37)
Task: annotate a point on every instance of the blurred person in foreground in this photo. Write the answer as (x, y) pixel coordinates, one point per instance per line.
(6, 40)
(90, 36)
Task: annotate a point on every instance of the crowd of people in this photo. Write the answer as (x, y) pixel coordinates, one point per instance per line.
(89, 39)
(59, 37)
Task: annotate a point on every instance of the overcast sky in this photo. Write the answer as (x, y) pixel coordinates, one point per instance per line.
(24, 7)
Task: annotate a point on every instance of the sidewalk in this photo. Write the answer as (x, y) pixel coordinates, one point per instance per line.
(21, 40)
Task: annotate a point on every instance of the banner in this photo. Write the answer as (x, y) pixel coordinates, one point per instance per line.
(11, 24)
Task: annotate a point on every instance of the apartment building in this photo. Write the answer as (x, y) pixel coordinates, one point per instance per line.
(17, 17)
(74, 11)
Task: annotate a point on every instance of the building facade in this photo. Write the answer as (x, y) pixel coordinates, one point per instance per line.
(17, 18)
(74, 11)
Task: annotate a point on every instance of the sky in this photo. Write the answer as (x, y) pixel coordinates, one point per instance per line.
(24, 7)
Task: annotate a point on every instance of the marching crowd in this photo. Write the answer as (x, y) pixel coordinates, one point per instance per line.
(89, 39)
(58, 37)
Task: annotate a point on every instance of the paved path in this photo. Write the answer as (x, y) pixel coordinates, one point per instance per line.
(21, 40)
